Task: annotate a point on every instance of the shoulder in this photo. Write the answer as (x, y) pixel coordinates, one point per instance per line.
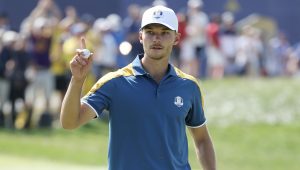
(109, 77)
(193, 80)
(186, 76)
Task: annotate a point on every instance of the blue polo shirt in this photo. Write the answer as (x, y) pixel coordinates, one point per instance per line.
(147, 120)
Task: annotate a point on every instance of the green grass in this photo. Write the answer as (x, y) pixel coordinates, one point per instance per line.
(254, 124)
(252, 100)
(84, 146)
(258, 146)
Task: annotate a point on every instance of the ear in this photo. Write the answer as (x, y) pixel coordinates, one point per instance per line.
(141, 36)
(177, 38)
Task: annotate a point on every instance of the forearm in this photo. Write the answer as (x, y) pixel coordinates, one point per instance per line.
(206, 154)
(70, 110)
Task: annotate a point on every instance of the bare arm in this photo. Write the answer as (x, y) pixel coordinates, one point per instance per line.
(73, 113)
(204, 147)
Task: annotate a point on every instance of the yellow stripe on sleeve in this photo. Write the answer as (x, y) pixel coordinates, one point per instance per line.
(125, 71)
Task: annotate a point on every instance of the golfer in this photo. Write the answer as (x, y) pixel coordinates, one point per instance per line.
(150, 103)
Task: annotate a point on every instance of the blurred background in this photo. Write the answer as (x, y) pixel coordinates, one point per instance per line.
(246, 55)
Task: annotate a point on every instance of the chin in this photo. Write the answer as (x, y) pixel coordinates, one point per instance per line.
(155, 56)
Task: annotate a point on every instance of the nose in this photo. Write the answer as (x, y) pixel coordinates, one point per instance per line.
(156, 37)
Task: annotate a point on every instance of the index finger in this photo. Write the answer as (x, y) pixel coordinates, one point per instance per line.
(82, 44)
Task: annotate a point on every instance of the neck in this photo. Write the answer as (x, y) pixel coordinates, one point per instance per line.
(156, 68)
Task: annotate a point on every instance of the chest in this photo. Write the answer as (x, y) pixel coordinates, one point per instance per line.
(143, 98)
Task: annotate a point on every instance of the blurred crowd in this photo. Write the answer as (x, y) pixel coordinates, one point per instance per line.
(34, 62)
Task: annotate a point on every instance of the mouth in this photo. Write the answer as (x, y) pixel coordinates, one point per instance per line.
(156, 47)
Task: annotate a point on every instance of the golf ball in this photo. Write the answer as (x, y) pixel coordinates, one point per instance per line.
(85, 53)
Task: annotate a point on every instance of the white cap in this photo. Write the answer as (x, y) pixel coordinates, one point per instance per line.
(160, 15)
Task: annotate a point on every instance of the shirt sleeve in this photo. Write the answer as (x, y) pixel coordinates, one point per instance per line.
(99, 97)
(195, 117)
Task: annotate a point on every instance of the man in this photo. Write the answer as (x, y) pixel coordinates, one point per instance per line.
(150, 103)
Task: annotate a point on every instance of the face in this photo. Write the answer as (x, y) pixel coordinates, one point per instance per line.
(158, 41)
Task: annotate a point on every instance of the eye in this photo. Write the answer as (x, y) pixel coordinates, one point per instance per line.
(165, 33)
(149, 32)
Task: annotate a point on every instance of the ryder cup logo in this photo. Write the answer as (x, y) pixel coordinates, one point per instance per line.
(178, 101)
(157, 14)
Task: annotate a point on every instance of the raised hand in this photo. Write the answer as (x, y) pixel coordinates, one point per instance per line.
(79, 65)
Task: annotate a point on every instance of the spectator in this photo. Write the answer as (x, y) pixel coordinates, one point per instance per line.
(59, 67)
(193, 55)
(105, 56)
(228, 37)
(279, 50)
(132, 25)
(7, 40)
(16, 73)
(214, 54)
(39, 42)
(182, 23)
(117, 31)
(4, 21)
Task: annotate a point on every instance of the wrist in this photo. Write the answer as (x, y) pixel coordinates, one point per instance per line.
(78, 81)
